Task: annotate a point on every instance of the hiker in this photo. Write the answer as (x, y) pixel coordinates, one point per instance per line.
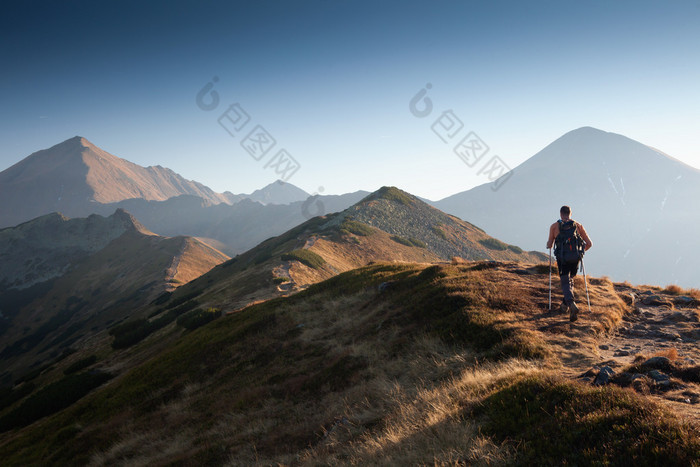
(570, 241)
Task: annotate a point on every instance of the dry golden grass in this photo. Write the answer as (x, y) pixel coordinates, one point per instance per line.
(427, 425)
(671, 354)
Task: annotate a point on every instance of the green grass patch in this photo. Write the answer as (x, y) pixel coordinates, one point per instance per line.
(391, 193)
(134, 331)
(408, 241)
(357, 228)
(401, 240)
(556, 422)
(180, 299)
(162, 298)
(198, 318)
(437, 230)
(515, 249)
(307, 257)
(356, 280)
(494, 244)
(417, 243)
(463, 315)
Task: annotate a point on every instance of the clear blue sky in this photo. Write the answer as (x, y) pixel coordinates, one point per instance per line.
(331, 82)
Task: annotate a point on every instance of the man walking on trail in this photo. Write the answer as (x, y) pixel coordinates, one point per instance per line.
(570, 241)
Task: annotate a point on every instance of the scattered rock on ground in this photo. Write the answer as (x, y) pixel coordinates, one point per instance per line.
(657, 300)
(604, 376)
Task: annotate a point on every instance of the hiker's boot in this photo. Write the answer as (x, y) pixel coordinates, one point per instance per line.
(563, 308)
(573, 316)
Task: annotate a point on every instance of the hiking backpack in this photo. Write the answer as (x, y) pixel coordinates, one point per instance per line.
(568, 246)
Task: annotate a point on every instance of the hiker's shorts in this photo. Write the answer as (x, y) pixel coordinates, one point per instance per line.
(569, 269)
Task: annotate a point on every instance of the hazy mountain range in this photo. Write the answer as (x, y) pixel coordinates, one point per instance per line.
(76, 178)
(631, 198)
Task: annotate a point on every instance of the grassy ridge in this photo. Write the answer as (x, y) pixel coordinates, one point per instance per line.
(307, 257)
(387, 364)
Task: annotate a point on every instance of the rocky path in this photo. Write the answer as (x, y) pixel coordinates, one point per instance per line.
(655, 350)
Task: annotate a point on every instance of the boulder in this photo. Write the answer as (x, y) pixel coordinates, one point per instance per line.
(657, 300)
(657, 376)
(604, 376)
(684, 300)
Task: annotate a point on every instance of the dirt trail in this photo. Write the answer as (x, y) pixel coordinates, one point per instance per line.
(660, 325)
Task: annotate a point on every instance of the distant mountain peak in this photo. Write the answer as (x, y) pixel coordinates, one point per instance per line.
(279, 192)
(393, 194)
(73, 175)
(129, 222)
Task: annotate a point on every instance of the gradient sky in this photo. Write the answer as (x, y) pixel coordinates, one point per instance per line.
(331, 81)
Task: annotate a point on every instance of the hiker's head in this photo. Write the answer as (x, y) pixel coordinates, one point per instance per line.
(565, 212)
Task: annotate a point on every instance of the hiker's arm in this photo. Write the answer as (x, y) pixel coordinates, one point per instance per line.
(552, 235)
(586, 238)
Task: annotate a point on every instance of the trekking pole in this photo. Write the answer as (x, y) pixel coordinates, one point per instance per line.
(550, 279)
(583, 266)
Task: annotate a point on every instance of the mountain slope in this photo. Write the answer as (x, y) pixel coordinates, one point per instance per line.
(70, 175)
(399, 364)
(632, 199)
(387, 225)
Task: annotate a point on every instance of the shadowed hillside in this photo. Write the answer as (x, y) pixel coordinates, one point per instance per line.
(65, 280)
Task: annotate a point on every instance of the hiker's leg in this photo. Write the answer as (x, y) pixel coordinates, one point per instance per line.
(566, 288)
(560, 270)
(568, 271)
(573, 269)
